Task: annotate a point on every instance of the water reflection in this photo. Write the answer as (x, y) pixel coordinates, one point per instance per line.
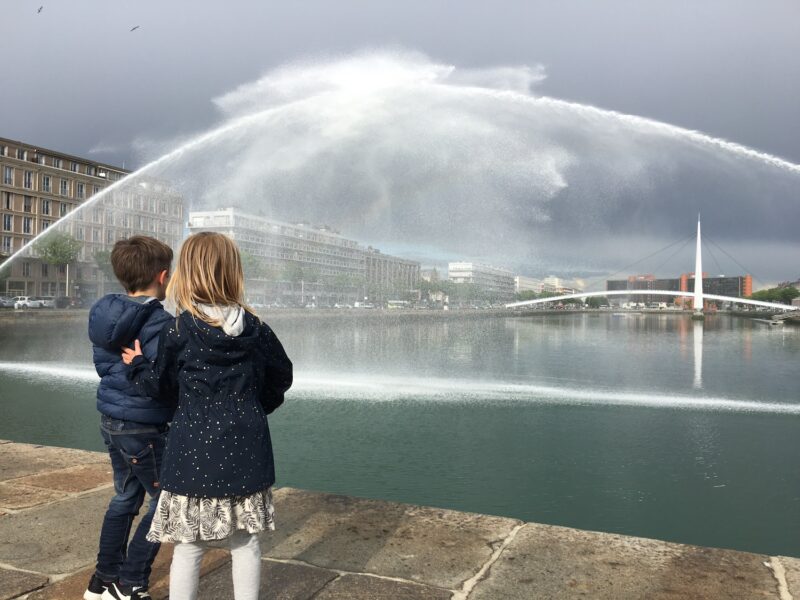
(698, 354)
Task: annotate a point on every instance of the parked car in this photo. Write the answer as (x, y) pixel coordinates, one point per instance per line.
(47, 301)
(6, 302)
(67, 302)
(27, 302)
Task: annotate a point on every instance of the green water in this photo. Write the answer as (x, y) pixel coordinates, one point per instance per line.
(643, 425)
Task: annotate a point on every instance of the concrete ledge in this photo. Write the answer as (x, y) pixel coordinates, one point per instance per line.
(441, 548)
(544, 561)
(331, 547)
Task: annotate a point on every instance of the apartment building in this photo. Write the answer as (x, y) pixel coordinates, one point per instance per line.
(492, 280)
(39, 186)
(301, 263)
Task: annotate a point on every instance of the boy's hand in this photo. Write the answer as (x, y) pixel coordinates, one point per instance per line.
(128, 355)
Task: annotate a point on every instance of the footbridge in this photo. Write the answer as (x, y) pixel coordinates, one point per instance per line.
(671, 293)
(698, 296)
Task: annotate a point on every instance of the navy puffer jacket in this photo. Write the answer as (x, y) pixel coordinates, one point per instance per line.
(116, 320)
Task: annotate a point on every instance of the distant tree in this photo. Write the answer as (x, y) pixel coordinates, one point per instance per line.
(783, 295)
(596, 301)
(102, 258)
(312, 274)
(58, 249)
(293, 273)
(526, 295)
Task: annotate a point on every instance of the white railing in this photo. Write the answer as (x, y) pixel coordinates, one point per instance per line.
(673, 293)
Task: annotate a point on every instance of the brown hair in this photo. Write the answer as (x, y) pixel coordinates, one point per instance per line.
(209, 272)
(137, 261)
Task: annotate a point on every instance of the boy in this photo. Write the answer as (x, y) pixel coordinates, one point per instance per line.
(133, 427)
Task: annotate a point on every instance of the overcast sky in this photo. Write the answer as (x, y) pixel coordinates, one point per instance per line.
(77, 80)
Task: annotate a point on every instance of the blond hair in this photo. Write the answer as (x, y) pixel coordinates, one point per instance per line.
(209, 272)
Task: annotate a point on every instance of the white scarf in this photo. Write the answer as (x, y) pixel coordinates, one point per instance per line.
(231, 317)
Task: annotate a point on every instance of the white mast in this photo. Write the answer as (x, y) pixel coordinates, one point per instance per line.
(698, 274)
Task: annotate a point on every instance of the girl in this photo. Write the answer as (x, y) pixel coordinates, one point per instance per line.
(227, 371)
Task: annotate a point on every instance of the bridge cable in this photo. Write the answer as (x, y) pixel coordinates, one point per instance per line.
(671, 256)
(713, 257)
(625, 268)
(740, 265)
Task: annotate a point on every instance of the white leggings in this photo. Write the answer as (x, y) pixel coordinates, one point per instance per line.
(184, 575)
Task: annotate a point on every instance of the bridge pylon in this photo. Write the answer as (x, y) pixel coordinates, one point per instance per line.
(698, 277)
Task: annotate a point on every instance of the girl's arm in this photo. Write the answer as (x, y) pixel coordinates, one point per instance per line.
(277, 370)
(157, 379)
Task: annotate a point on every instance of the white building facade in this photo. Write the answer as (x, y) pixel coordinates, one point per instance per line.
(301, 263)
(491, 280)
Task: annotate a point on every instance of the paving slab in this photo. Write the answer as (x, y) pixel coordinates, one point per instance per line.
(72, 587)
(279, 581)
(73, 479)
(438, 547)
(55, 538)
(16, 583)
(792, 568)
(15, 497)
(546, 562)
(19, 460)
(364, 587)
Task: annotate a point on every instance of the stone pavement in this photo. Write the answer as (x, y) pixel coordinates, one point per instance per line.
(336, 547)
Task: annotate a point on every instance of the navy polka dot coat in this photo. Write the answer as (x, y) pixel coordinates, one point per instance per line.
(219, 443)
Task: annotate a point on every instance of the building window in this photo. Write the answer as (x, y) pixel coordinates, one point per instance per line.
(95, 189)
(45, 270)
(22, 154)
(8, 175)
(6, 200)
(8, 223)
(45, 206)
(57, 163)
(27, 204)
(27, 180)
(46, 183)
(79, 233)
(81, 191)
(26, 269)
(42, 158)
(95, 235)
(27, 223)
(64, 209)
(45, 225)
(3, 150)
(7, 244)
(65, 187)
(74, 167)
(90, 170)
(110, 236)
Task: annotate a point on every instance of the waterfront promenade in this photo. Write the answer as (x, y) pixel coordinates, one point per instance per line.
(337, 547)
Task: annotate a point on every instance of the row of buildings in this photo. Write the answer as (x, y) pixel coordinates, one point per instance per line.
(39, 186)
(739, 286)
(298, 263)
(286, 263)
(497, 284)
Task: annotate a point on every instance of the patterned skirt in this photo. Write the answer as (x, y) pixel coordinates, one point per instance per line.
(190, 519)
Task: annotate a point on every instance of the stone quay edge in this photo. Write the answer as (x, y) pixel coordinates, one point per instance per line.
(330, 546)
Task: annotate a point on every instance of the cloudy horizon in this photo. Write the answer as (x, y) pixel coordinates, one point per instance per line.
(90, 86)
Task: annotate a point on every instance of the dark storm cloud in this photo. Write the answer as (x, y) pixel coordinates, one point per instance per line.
(77, 79)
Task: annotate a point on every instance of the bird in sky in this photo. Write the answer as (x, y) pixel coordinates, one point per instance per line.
(135, 28)
(40, 9)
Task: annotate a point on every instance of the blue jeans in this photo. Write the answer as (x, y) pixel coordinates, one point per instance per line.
(136, 450)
